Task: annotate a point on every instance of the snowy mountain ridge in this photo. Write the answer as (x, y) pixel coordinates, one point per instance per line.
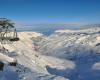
(64, 55)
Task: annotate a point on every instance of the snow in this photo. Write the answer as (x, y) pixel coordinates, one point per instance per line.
(98, 38)
(64, 55)
(96, 66)
(6, 58)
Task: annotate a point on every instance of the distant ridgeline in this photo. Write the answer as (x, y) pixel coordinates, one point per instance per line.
(46, 29)
(90, 26)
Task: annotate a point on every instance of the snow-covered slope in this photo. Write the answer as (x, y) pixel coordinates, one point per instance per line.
(31, 65)
(64, 55)
(80, 46)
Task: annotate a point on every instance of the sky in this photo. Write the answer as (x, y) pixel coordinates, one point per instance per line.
(51, 11)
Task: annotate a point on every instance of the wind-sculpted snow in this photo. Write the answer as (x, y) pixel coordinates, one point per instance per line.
(64, 55)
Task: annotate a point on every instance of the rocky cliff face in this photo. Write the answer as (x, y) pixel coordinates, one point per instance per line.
(64, 55)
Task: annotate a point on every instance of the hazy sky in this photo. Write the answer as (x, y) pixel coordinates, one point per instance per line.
(51, 11)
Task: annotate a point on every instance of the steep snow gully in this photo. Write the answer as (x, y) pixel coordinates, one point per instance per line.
(64, 55)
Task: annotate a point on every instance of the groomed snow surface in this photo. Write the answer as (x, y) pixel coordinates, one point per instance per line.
(64, 55)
